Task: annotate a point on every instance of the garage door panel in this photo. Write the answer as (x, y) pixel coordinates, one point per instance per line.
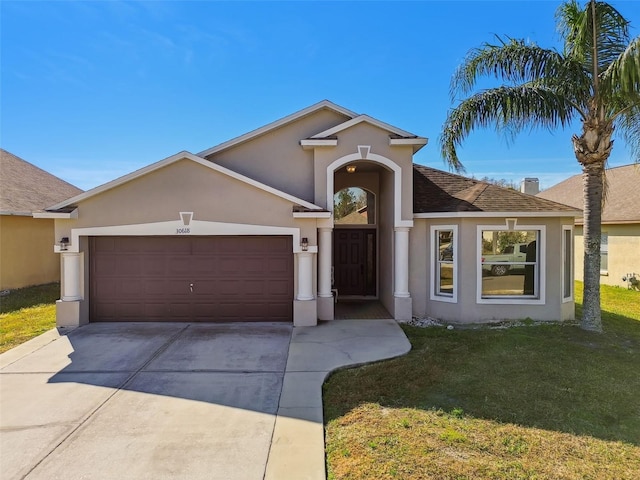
(254, 288)
(278, 264)
(128, 310)
(177, 287)
(234, 278)
(179, 265)
(155, 310)
(180, 310)
(105, 265)
(279, 288)
(153, 266)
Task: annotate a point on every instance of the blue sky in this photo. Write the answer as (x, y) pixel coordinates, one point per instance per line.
(93, 90)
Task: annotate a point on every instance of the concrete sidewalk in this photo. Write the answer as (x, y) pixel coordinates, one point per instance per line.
(297, 449)
(193, 401)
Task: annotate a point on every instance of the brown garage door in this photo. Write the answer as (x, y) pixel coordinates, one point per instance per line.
(191, 279)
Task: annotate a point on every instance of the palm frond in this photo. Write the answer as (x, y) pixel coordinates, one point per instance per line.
(509, 109)
(628, 126)
(623, 74)
(511, 60)
(575, 24)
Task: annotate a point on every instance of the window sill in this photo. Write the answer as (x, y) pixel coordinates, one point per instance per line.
(510, 301)
(442, 298)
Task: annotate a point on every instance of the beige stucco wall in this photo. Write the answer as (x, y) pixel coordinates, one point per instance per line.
(26, 252)
(277, 159)
(183, 186)
(624, 253)
(467, 309)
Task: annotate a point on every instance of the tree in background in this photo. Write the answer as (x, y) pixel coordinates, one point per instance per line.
(595, 80)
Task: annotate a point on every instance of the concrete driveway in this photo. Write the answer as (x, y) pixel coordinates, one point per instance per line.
(192, 401)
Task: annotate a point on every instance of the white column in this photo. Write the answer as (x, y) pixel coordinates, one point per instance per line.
(71, 277)
(401, 265)
(324, 262)
(305, 276)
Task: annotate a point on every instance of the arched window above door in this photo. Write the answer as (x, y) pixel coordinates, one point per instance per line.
(354, 206)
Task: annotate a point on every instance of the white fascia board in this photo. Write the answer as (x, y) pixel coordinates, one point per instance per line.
(69, 215)
(492, 214)
(322, 214)
(360, 119)
(177, 157)
(277, 124)
(15, 214)
(309, 143)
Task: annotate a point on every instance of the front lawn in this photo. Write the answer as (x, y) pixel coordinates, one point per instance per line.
(543, 402)
(26, 313)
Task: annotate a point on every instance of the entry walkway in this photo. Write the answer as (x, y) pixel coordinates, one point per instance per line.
(170, 401)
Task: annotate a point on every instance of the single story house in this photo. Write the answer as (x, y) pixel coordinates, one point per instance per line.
(26, 256)
(620, 247)
(245, 231)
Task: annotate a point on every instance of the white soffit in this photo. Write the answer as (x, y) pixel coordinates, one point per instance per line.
(175, 158)
(72, 214)
(277, 124)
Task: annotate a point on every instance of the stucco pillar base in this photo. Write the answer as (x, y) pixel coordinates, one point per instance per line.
(402, 308)
(67, 314)
(326, 308)
(305, 313)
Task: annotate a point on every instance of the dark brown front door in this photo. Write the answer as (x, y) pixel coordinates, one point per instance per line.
(354, 261)
(191, 279)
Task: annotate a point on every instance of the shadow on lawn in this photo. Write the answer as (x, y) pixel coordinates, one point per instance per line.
(553, 377)
(29, 297)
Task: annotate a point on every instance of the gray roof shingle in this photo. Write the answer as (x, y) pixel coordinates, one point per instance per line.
(621, 205)
(436, 191)
(25, 188)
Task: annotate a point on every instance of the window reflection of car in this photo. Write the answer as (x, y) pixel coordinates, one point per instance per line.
(447, 253)
(512, 253)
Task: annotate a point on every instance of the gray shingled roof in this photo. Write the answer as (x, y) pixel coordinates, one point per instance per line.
(436, 191)
(25, 188)
(621, 205)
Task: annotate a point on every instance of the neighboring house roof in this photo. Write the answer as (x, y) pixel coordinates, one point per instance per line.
(621, 205)
(324, 104)
(435, 191)
(175, 158)
(25, 188)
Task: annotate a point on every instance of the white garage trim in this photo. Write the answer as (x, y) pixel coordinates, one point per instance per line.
(178, 228)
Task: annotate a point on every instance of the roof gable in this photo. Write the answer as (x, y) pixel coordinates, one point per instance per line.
(366, 119)
(397, 136)
(26, 188)
(175, 158)
(435, 191)
(622, 188)
(324, 104)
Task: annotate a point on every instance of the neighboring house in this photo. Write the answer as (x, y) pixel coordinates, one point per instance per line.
(26, 251)
(620, 248)
(244, 231)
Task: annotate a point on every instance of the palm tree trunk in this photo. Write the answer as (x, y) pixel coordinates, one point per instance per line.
(593, 186)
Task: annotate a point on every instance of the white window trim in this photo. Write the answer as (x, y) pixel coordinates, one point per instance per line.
(604, 272)
(569, 228)
(542, 267)
(433, 295)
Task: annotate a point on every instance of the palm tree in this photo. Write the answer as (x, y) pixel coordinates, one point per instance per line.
(595, 79)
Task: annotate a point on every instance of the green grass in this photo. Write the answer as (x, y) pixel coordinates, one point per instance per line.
(543, 402)
(26, 313)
